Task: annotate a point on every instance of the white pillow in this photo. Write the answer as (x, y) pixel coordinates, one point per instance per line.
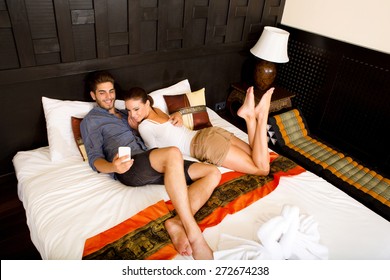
(178, 88)
(58, 115)
(120, 104)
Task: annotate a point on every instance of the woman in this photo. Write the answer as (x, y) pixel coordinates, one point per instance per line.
(212, 144)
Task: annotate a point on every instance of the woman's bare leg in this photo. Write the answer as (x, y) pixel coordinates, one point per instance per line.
(260, 152)
(257, 162)
(247, 112)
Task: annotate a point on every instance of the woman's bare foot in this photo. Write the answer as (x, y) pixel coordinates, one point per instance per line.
(247, 108)
(262, 109)
(178, 236)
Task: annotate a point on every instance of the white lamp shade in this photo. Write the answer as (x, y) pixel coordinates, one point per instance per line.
(272, 45)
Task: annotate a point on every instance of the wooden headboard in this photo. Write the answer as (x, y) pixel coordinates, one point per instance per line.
(343, 91)
(47, 48)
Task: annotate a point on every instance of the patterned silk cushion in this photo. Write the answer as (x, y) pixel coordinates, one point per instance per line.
(77, 136)
(192, 106)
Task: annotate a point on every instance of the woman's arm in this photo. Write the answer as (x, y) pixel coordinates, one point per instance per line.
(176, 119)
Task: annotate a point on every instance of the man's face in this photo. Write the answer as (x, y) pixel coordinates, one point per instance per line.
(105, 96)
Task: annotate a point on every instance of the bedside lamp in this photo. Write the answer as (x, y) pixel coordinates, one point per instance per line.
(271, 48)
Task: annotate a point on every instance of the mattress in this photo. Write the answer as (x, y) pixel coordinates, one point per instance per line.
(66, 203)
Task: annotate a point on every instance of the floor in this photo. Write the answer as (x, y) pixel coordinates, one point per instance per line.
(15, 242)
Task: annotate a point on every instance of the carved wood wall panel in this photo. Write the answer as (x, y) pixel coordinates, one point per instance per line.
(36, 33)
(47, 47)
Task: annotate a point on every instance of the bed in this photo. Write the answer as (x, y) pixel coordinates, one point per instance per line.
(67, 203)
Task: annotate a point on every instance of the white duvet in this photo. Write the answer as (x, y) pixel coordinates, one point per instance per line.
(66, 203)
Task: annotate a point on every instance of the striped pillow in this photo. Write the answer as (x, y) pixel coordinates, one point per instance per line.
(192, 106)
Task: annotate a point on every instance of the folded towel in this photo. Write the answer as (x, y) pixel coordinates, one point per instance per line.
(287, 236)
(307, 244)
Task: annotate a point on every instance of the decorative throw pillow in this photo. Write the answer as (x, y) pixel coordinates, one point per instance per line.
(178, 88)
(58, 115)
(192, 106)
(77, 137)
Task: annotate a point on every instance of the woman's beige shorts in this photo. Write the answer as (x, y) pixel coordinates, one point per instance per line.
(211, 144)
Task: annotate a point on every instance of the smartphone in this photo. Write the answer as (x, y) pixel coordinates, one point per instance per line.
(124, 151)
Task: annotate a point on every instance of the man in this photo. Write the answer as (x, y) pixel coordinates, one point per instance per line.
(106, 128)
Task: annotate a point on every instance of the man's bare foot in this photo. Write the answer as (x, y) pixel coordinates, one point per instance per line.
(247, 108)
(262, 109)
(201, 250)
(178, 236)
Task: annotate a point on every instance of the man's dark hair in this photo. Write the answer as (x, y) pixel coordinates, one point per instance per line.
(99, 77)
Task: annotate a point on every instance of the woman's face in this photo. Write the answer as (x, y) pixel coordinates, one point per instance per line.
(137, 110)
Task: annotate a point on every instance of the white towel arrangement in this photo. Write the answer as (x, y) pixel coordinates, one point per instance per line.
(287, 236)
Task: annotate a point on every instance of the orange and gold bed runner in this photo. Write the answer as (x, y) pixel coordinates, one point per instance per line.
(143, 236)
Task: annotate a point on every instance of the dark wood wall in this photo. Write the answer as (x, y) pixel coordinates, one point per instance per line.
(48, 46)
(343, 91)
(122, 32)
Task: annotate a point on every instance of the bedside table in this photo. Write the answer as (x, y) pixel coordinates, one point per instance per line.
(281, 98)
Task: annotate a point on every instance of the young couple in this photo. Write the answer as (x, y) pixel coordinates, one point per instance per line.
(214, 145)
(188, 184)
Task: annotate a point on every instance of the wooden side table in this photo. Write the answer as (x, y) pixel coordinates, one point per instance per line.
(281, 98)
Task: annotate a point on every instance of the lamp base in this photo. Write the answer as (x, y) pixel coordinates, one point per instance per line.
(264, 74)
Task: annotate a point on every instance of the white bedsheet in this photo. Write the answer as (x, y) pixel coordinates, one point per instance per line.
(66, 203)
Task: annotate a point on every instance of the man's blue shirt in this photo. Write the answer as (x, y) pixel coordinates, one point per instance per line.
(103, 133)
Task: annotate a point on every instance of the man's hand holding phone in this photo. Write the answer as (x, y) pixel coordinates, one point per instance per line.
(124, 153)
(124, 161)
